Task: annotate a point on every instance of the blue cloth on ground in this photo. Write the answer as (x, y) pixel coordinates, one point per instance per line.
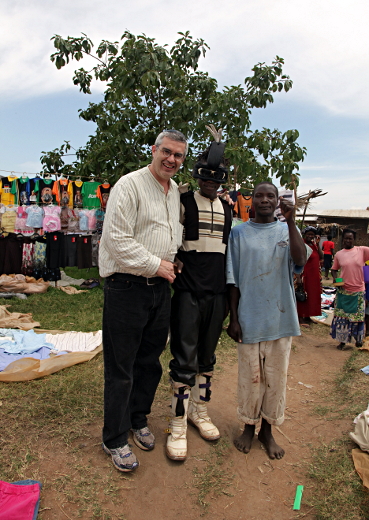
(25, 341)
(6, 359)
(365, 370)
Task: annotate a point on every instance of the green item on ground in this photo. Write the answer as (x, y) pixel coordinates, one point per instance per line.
(298, 497)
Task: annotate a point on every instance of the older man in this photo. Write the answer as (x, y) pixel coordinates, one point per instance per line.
(140, 239)
(262, 254)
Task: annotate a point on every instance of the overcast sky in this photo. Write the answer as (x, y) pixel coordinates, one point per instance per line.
(324, 45)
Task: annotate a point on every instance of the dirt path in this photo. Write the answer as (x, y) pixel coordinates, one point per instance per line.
(257, 487)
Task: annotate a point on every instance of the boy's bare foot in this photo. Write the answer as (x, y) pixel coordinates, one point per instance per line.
(265, 437)
(244, 441)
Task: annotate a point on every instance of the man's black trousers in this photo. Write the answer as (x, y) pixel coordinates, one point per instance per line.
(135, 329)
(195, 328)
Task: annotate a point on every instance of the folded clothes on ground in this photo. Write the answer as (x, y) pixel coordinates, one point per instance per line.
(68, 280)
(19, 500)
(70, 343)
(70, 290)
(8, 295)
(22, 341)
(6, 358)
(90, 283)
(75, 341)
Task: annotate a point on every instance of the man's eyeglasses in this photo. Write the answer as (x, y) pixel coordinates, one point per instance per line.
(167, 153)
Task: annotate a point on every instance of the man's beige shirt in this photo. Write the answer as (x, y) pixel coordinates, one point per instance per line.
(141, 226)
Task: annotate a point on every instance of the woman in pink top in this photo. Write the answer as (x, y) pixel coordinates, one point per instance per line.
(348, 321)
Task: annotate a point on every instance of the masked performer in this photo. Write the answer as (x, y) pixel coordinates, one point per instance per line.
(199, 301)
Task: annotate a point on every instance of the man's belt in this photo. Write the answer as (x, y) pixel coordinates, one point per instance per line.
(136, 279)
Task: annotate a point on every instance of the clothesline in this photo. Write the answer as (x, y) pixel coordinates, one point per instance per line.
(57, 175)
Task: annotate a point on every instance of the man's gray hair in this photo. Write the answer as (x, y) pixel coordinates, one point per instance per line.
(174, 135)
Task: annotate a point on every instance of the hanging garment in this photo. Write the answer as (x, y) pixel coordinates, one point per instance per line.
(84, 252)
(55, 255)
(73, 222)
(62, 193)
(35, 217)
(7, 191)
(243, 207)
(51, 221)
(95, 242)
(103, 192)
(33, 185)
(64, 219)
(3, 241)
(91, 216)
(70, 248)
(39, 256)
(100, 215)
(23, 187)
(89, 195)
(8, 221)
(28, 259)
(44, 190)
(83, 219)
(13, 254)
(21, 220)
(75, 189)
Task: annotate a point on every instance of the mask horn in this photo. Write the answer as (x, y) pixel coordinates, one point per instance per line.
(216, 148)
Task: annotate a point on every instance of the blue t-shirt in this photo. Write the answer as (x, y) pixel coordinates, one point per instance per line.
(260, 265)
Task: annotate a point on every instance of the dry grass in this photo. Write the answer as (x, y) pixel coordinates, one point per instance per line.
(339, 493)
(50, 421)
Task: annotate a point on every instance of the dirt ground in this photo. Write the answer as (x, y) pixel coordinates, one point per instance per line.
(254, 487)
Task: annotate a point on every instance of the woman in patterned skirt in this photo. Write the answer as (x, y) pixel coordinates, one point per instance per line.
(348, 321)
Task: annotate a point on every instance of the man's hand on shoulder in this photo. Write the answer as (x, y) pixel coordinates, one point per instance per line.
(286, 208)
(166, 270)
(225, 196)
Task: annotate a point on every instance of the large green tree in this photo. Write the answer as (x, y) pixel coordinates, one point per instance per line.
(150, 87)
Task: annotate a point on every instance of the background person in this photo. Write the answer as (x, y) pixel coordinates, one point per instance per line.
(328, 250)
(140, 239)
(349, 307)
(263, 315)
(311, 277)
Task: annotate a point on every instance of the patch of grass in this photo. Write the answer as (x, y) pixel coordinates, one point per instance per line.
(163, 393)
(59, 405)
(82, 488)
(339, 491)
(322, 410)
(57, 310)
(318, 329)
(51, 413)
(215, 477)
(226, 351)
(346, 395)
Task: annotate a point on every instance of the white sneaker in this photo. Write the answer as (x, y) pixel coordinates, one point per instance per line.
(176, 448)
(198, 416)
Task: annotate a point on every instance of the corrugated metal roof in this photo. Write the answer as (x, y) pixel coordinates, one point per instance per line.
(345, 213)
(309, 217)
